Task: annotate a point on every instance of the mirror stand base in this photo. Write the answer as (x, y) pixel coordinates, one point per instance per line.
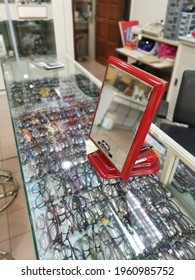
(103, 166)
(108, 171)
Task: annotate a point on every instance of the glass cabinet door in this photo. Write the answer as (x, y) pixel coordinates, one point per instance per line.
(34, 34)
(183, 186)
(35, 38)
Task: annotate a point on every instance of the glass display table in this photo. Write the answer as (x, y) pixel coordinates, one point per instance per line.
(74, 213)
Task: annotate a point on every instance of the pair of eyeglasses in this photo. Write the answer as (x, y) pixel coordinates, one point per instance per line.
(64, 250)
(48, 190)
(48, 233)
(171, 211)
(84, 171)
(110, 248)
(86, 86)
(88, 248)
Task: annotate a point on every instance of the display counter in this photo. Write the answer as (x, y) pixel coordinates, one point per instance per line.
(74, 213)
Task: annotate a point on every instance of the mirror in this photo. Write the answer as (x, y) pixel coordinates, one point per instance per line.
(123, 101)
(123, 115)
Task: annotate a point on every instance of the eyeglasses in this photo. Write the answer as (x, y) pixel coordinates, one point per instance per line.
(88, 247)
(111, 249)
(64, 250)
(86, 86)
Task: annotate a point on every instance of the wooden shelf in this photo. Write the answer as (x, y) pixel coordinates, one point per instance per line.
(138, 56)
(157, 39)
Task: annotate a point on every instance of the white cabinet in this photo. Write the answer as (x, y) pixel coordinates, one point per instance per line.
(53, 20)
(184, 61)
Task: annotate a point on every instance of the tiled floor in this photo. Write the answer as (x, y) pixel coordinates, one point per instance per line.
(15, 232)
(95, 68)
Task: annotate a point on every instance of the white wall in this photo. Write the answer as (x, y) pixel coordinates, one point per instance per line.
(147, 11)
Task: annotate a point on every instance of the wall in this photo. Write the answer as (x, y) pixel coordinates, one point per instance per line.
(63, 26)
(147, 11)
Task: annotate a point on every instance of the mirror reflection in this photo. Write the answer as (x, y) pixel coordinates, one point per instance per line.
(123, 100)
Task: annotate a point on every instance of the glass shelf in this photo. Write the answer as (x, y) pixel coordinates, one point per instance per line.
(74, 213)
(33, 37)
(33, 28)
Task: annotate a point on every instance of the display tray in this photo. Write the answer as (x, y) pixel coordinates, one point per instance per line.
(74, 213)
(50, 65)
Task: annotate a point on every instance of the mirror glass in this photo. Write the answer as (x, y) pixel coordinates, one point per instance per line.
(123, 100)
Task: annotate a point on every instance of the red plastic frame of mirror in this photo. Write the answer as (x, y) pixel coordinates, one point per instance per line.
(100, 161)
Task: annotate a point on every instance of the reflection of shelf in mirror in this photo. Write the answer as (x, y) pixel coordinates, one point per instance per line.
(128, 101)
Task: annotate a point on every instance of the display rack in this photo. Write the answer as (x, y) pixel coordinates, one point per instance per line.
(172, 20)
(74, 213)
(137, 55)
(187, 23)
